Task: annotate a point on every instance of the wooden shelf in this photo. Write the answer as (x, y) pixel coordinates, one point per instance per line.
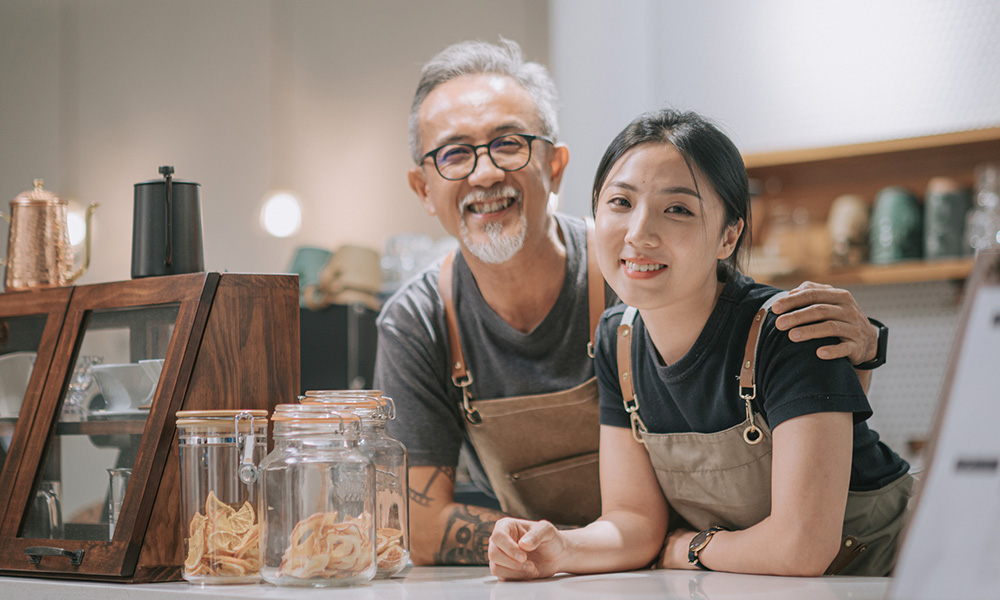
(813, 178)
(121, 426)
(912, 271)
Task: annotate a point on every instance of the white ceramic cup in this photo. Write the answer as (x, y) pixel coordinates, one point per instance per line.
(152, 367)
(125, 386)
(15, 372)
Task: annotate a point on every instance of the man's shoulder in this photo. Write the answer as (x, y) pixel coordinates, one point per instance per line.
(416, 300)
(574, 229)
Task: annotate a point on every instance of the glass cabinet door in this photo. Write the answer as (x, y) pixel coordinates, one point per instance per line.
(29, 330)
(19, 341)
(89, 460)
(92, 463)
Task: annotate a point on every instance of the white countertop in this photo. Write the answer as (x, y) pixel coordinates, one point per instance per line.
(435, 583)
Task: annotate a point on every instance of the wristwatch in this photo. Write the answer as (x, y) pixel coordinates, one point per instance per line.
(698, 543)
(883, 341)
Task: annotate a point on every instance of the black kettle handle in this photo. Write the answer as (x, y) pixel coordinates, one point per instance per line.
(167, 172)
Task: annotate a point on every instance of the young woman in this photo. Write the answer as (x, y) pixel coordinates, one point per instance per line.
(724, 446)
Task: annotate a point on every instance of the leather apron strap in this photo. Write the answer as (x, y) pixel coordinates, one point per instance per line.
(538, 451)
(460, 374)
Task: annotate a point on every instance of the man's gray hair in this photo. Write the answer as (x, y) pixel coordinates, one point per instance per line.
(475, 58)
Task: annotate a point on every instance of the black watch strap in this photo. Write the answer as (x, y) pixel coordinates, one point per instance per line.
(880, 354)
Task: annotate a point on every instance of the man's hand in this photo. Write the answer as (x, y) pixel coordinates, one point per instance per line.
(521, 549)
(814, 310)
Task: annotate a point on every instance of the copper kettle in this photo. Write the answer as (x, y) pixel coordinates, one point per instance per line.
(39, 254)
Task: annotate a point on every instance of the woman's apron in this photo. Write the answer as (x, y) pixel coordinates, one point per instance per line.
(539, 451)
(724, 478)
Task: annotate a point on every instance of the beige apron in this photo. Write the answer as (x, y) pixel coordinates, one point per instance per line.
(724, 478)
(539, 451)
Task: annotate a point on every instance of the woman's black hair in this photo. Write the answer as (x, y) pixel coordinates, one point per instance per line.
(704, 147)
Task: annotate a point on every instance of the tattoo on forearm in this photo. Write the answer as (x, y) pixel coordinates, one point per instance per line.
(467, 536)
(421, 497)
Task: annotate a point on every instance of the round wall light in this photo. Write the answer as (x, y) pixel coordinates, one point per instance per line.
(281, 214)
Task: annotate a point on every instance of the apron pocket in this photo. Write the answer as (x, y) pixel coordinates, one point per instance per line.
(545, 489)
(876, 518)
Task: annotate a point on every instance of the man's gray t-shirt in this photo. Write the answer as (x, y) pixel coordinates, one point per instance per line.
(412, 361)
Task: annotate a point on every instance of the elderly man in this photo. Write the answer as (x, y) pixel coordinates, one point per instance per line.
(489, 350)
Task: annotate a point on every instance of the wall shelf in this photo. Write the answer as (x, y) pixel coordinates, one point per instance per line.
(912, 271)
(813, 178)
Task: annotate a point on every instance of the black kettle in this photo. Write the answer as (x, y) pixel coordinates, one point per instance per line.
(166, 227)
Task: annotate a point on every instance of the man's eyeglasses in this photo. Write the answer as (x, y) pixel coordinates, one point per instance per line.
(508, 152)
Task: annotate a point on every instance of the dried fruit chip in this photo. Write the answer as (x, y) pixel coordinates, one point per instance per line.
(392, 559)
(215, 508)
(196, 547)
(248, 544)
(242, 520)
(223, 542)
(322, 546)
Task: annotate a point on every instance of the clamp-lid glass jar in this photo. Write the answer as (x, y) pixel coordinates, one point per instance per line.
(389, 456)
(220, 451)
(318, 491)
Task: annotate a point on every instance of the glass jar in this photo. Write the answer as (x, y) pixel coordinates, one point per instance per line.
(220, 451)
(389, 456)
(318, 491)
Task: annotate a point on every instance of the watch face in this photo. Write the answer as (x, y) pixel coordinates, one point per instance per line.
(700, 540)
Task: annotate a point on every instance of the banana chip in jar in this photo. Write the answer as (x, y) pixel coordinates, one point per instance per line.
(223, 542)
(321, 546)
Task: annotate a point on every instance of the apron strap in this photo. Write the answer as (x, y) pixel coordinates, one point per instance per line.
(625, 373)
(460, 374)
(748, 386)
(748, 368)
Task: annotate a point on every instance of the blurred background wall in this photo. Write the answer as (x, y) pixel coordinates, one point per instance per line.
(241, 96)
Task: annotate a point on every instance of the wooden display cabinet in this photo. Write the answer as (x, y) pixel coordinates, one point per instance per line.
(814, 178)
(227, 341)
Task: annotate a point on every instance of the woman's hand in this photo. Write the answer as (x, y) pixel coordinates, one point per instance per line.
(521, 549)
(675, 550)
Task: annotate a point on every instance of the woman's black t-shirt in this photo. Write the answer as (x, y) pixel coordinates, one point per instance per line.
(700, 392)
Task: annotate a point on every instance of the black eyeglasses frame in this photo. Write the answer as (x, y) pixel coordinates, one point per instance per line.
(475, 153)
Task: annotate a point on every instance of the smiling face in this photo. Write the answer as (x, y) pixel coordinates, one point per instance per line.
(493, 212)
(660, 229)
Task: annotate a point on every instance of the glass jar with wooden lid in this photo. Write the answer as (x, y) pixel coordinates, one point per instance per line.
(318, 490)
(389, 456)
(220, 456)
